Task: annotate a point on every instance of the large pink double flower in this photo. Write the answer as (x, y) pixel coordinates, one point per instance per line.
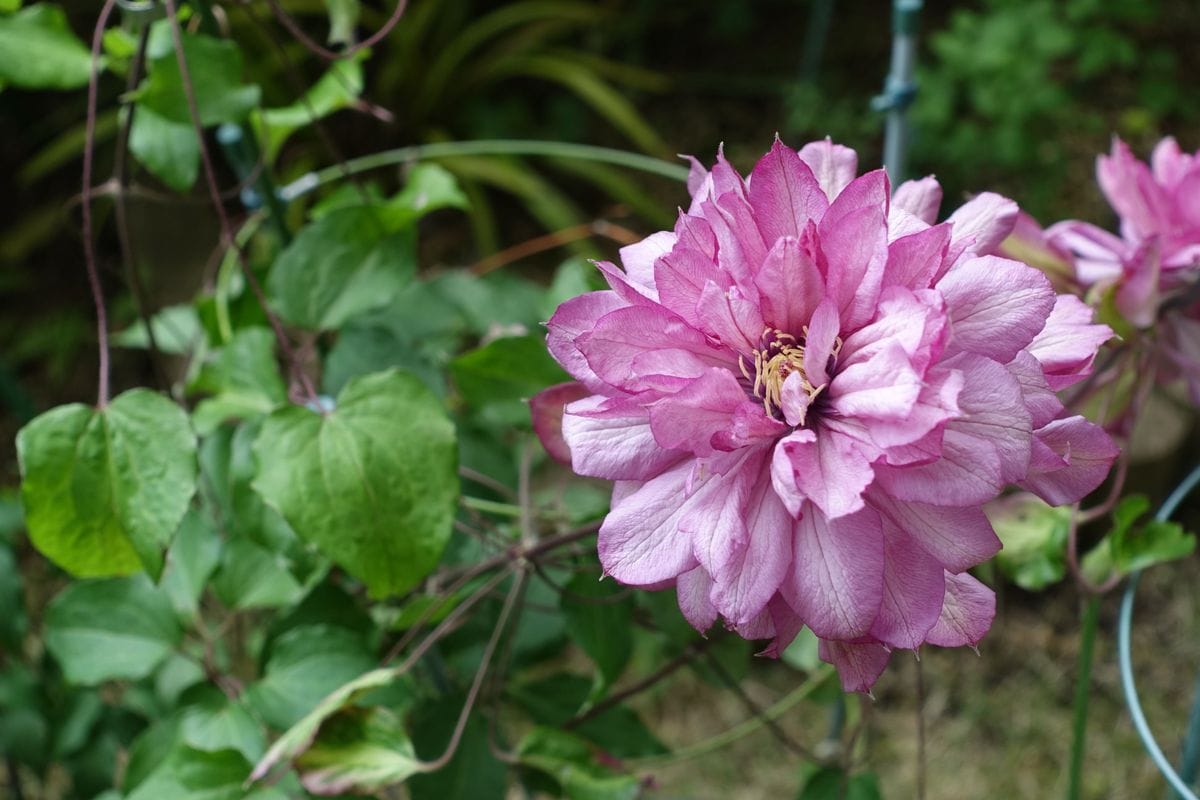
(1153, 267)
(805, 393)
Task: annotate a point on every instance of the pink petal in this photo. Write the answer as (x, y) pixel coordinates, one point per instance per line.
(786, 624)
(914, 320)
(626, 288)
(884, 387)
(680, 277)
(790, 285)
(967, 473)
(747, 581)
(1168, 163)
(921, 198)
(1086, 454)
(612, 439)
(546, 412)
(836, 582)
(693, 588)
(1068, 343)
(572, 318)
(823, 331)
(967, 614)
(615, 346)
(913, 590)
(858, 665)
(1098, 253)
(1039, 399)
(992, 410)
(827, 468)
(958, 537)
(638, 258)
(694, 233)
(700, 418)
(833, 165)
(698, 178)
(853, 237)
(731, 319)
(784, 194)
(1133, 193)
(983, 222)
(913, 260)
(716, 521)
(996, 306)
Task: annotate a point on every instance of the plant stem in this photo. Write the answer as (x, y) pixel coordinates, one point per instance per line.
(1083, 681)
(89, 245)
(483, 147)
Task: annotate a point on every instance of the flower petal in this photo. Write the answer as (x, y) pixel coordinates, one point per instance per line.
(546, 413)
(836, 582)
(958, 537)
(784, 194)
(612, 438)
(692, 590)
(828, 468)
(574, 317)
(982, 223)
(853, 237)
(790, 284)
(638, 258)
(919, 198)
(913, 590)
(858, 665)
(914, 260)
(701, 417)
(833, 165)
(967, 613)
(996, 306)
(1086, 455)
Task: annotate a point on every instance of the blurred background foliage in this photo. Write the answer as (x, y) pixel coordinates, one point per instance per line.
(1016, 96)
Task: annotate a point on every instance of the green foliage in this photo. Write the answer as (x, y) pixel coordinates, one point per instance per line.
(110, 629)
(337, 89)
(104, 490)
(380, 464)
(1034, 536)
(1130, 546)
(215, 68)
(830, 783)
(599, 619)
(569, 761)
(39, 51)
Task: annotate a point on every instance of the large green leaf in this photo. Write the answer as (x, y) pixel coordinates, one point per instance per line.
(428, 187)
(339, 266)
(474, 772)
(511, 368)
(306, 665)
(359, 750)
(39, 51)
(300, 735)
(105, 489)
(372, 483)
(170, 150)
(208, 720)
(190, 774)
(110, 629)
(337, 89)
(1035, 539)
(599, 620)
(215, 67)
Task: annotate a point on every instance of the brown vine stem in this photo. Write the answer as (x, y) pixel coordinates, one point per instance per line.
(331, 55)
(210, 176)
(616, 698)
(549, 241)
(121, 212)
(89, 246)
(510, 602)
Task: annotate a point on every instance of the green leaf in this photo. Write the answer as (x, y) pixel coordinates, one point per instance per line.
(170, 150)
(300, 735)
(381, 466)
(428, 187)
(512, 368)
(244, 377)
(39, 51)
(120, 628)
(190, 562)
(599, 619)
(13, 622)
(211, 721)
(252, 577)
(177, 330)
(359, 750)
(474, 773)
(553, 700)
(339, 266)
(1126, 548)
(1034, 535)
(215, 67)
(306, 665)
(191, 774)
(337, 89)
(567, 759)
(831, 783)
(104, 490)
(343, 17)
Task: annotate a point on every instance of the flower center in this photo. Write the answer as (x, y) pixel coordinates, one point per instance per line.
(778, 356)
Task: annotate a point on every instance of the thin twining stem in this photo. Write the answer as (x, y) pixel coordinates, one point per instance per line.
(332, 55)
(89, 246)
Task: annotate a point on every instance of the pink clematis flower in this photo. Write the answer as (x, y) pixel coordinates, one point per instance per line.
(806, 392)
(1153, 267)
